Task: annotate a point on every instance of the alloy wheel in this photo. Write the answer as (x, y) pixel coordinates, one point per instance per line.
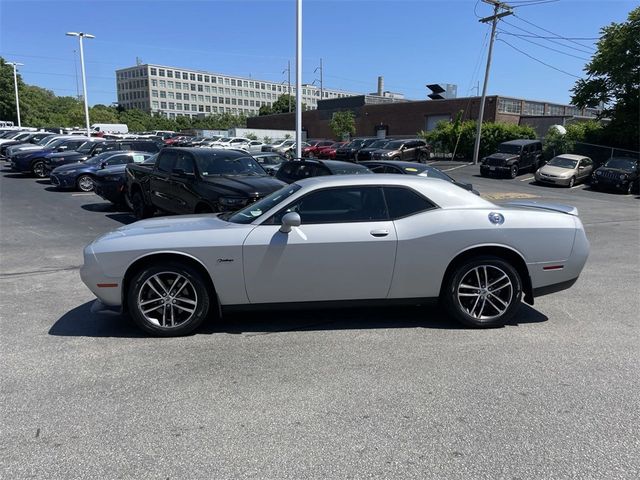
(167, 299)
(38, 169)
(485, 292)
(514, 171)
(85, 183)
(572, 182)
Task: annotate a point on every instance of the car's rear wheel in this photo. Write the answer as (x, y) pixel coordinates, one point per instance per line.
(572, 182)
(422, 157)
(483, 291)
(38, 169)
(168, 300)
(84, 183)
(513, 172)
(140, 209)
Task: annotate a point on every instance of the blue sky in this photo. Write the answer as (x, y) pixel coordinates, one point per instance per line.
(410, 43)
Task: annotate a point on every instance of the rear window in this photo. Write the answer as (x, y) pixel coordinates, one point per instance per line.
(403, 202)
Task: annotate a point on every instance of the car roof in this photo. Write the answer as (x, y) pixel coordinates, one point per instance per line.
(444, 193)
(520, 142)
(396, 163)
(204, 152)
(571, 156)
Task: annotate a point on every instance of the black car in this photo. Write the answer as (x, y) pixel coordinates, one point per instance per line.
(197, 180)
(270, 161)
(411, 168)
(295, 170)
(366, 153)
(350, 150)
(512, 157)
(619, 173)
(110, 183)
(97, 147)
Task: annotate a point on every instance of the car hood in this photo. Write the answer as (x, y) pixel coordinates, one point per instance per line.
(146, 234)
(245, 185)
(32, 153)
(558, 171)
(614, 170)
(72, 166)
(503, 156)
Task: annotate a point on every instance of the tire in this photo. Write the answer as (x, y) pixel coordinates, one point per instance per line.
(168, 299)
(572, 182)
(513, 172)
(140, 209)
(84, 183)
(468, 282)
(422, 157)
(38, 169)
(631, 188)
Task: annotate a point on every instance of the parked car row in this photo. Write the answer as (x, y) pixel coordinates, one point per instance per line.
(567, 170)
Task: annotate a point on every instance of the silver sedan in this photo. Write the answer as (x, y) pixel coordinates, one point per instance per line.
(345, 240)
(566, 170)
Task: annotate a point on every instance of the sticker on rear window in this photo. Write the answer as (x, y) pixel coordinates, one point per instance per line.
(138, 158)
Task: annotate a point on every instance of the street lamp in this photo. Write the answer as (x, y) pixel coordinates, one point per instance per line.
(80, 36)
(15, 81)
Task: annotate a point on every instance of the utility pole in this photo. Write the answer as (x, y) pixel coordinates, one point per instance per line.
(15, 82)
(321, 70)
(288, 70)
(497, 6)
(298, 79)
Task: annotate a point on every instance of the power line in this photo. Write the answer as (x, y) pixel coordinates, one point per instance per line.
(552, 41)
(504, 32)
(566, 38)
(538, 60)
(552, 33)
(532, 3)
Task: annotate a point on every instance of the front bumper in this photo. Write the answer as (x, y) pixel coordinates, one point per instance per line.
(552, 180)
(63, 181)
(609, 184)
(20, 166)
(495, 169)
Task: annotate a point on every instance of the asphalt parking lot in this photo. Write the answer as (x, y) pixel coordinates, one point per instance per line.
(367, 393)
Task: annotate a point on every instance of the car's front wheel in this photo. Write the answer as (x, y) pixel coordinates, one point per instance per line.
(572, 182)
(422, 157)
(168, 300)
(513, 172)
(38, 169)
(84, 183)
(140, 209)
(483, 291)
(631, 188)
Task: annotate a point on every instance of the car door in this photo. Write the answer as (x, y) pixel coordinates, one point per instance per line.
(182, 183)
(585, 167)
(344, 249)
(410, 151)
(160, 181)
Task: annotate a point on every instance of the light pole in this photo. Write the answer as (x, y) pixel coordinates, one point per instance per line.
(298, 79)
(80, 36)
(15, 81)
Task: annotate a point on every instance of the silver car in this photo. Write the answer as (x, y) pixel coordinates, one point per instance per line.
(566, 170)
(340, 240)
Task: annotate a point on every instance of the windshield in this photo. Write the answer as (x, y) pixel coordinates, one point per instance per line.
(355, 144)
(394, 145)
(57, 142)
(216, 163)
(432, 173)
(85, 147)
(348, 169)
(225, 140)
(563, 162)
(627, 164)
(43, 141)
(379, 143)
(269, 159)
(508, 148)
(249, 213)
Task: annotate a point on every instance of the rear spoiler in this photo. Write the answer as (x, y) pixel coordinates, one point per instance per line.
(555, 207)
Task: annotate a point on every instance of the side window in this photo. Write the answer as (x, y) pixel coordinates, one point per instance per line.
(403, 202)
(338, 205)
(166, 161)
(118, 160)
(145, 147)
(184, 162)
(421, 143)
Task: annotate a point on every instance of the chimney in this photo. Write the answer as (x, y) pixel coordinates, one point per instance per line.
(380, 86)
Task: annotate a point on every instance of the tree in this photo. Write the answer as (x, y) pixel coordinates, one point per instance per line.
(343, 123)
(284, 104)
(613, 79)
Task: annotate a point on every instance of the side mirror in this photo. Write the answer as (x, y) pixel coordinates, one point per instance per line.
(468, 186)
(103, 164)
(291, 219)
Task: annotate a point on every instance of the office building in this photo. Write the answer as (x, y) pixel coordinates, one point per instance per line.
(174, 91)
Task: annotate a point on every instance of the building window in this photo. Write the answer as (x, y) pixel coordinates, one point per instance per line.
(154, 93)
(574, 111)
(192, 76)
(214, 89)
(220, 80)
(251, 85)
(201, 108)
(246, 103)
(178, 106)
(176, 74)
(170, 73)
(233, 92)
(185, 86)
(154, 82)
(220, 100)
(233, 82)
(163, 94)
(194, 108)
(169, 83)
(199, 78)
(509, 105)
(200, 88)
(227, 101)
(207, 88)
(172, 106)
(207, 98)
(533, 108)
(226, 81)
(200, 98)
(170, 95)
(153, 71)
(556, 110)
(161, 72)
(215, 109)
(233, 101)
(227, 91)
(178, 96)
(178, 86)
(163, 104)
(163, 84)
(206, 79)
(154, 104)
(193, 97)
(193, 87)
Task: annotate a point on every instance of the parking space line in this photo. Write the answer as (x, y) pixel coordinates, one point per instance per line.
(527, 179)
(81, 194)
(455, 168)
(576, 186)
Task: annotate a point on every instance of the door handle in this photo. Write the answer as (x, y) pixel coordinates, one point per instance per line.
(379, 233)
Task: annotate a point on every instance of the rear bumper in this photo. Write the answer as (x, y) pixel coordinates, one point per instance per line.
(553, 288)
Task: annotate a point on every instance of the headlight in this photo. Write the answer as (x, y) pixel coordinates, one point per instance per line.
(623, 177)
(598, 172)
(232, 201)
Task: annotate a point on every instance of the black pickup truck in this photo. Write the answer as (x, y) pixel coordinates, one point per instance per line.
(197, 180)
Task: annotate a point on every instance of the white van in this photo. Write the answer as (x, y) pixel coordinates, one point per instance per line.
(110, 128)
